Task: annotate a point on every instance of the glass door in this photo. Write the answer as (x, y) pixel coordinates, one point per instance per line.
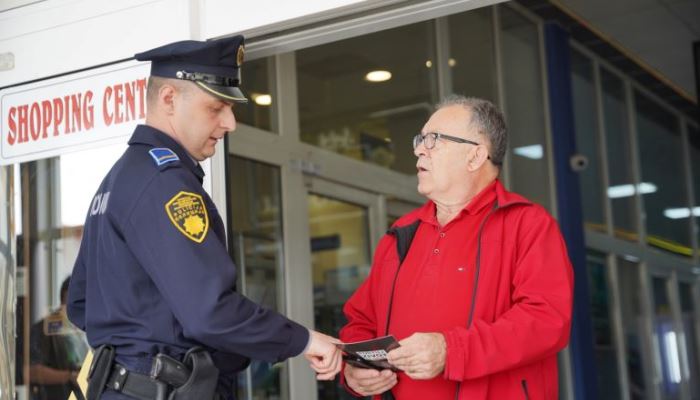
(343, 226)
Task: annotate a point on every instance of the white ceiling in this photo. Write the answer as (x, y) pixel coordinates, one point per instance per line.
(660, 33)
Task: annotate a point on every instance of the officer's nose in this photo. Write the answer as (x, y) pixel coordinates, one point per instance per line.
(228, 120)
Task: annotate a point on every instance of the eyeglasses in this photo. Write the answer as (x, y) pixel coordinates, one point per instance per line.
(430, 138)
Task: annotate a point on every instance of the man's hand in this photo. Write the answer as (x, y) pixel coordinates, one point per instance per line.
(324, 357)
(367, 381)
(420, 356)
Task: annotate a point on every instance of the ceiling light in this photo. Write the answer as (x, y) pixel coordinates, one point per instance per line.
(451, 62)
(616, 192)
(428, 64)
(683, 212)
(534, 152)
(261, 99)
(378, 76)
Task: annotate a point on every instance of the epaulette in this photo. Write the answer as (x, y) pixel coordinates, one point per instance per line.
(163, 157)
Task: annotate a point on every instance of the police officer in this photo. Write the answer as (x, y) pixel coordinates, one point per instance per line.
(153, 278)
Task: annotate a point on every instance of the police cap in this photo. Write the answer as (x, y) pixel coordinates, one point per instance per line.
(214, 65)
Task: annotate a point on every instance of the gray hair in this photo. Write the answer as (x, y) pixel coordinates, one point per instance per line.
(486, 119)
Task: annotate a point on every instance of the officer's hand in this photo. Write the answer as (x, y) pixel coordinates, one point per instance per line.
(367, 381)
(324, 357)
(420, 356)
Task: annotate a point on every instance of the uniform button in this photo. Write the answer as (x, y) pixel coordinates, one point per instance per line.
(436, 251)
(442, 234)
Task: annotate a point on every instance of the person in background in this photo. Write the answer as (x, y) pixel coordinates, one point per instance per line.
(56, 351)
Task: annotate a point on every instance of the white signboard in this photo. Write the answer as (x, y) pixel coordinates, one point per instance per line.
(73, 112)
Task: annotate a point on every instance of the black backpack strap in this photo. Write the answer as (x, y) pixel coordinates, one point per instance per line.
(404, 237)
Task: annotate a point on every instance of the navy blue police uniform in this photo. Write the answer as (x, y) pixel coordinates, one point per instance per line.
(153, 274)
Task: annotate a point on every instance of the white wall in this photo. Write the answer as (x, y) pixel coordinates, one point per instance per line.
(58, 36)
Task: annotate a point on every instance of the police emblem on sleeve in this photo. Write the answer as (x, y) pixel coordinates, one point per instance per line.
(189, 215)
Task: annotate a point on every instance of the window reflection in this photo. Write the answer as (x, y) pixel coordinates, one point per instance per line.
(619, 156)
(55, 197)
(256, 235)
(529, 171)
(342, 111)
(341, 261)
(690, 336)
(587, 143)
(472, 54)
(633, 324)
(667, 340)
(255, 77)
(605, 347)
(661, 155)
(7, 271)
(694, 145)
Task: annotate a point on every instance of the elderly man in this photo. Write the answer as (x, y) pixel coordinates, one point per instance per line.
(476, 284)
(153, 285)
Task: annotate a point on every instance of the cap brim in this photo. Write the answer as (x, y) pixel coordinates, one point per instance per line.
(225, 93)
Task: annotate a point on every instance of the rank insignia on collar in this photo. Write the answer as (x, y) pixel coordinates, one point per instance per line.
(188, 213)
(163, 155)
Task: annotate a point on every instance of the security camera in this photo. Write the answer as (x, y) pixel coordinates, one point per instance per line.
(578, 162)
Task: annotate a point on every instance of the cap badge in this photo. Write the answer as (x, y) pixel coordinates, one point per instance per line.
(239, 55)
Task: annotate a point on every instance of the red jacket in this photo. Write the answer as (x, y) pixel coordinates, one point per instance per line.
(507, 348)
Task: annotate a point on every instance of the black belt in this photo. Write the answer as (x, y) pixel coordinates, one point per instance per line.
(133, 384)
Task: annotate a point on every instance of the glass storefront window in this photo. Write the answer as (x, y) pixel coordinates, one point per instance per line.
(587, 142)
(633, 326)
(366, 97)
(55, 197)
(605, 353)
(661, 155)
(690, 336)
(341, 261)
(524, 109)
(472, 58)
(666, 340)
(7, 283)
(255, 80)
(255, 206)
(694, 146)
(621, 180)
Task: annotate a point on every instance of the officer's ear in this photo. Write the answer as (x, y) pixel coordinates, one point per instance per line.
(166, 98)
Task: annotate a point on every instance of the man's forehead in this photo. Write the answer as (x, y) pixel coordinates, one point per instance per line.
(451, 118)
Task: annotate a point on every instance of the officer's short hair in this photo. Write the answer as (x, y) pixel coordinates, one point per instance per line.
(487, 119)
(156, 82)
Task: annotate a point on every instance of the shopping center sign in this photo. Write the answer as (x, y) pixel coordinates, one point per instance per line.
(72, 112)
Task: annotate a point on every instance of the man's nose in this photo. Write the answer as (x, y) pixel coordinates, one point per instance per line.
(228, 121)
(420, 150)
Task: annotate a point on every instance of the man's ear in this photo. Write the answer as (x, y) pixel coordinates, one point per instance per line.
(166, 98)
(478, 157)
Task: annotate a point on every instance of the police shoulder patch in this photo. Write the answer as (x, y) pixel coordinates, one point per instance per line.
(188, 213)
(163, 155)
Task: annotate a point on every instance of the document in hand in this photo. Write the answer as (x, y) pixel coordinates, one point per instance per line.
(369, 353)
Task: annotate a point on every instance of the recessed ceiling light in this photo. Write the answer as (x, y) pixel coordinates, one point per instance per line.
(451, 62)
(428, 63)
(378, 76)
(262, 99)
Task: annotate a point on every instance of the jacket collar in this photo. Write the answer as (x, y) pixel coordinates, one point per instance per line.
(148, 135)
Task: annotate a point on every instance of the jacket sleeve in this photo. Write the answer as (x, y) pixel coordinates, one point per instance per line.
(537, 325)
(197, 281)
